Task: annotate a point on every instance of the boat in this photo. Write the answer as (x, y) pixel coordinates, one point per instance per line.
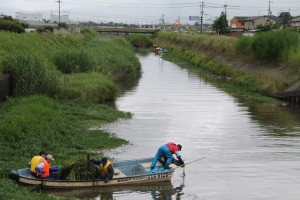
(128, 172)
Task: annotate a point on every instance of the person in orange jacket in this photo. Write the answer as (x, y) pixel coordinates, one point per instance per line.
(44, 169)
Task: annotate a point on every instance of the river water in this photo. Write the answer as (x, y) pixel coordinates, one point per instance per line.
(251, 151)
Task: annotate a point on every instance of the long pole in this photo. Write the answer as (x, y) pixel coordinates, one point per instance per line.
(190, 162)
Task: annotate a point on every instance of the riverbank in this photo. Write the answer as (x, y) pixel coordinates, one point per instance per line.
(244, 74)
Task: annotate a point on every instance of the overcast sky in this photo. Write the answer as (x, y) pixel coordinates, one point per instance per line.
(148, 11)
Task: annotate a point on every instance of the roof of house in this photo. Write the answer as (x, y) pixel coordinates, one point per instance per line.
(295, 19)
(240, 18)
(268, 16)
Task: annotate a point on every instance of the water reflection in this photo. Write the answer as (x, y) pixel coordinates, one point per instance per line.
(279, 121)
(163, 191)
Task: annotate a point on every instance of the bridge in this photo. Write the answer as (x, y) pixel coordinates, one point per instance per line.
(116, 30)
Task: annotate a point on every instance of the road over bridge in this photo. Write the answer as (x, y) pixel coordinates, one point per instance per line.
(115, 30)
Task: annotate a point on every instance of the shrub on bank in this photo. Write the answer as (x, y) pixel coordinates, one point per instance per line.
(275, 46)
(29, 76)
(140, 40)
(115, 58)
(88, 87)
(74, 61)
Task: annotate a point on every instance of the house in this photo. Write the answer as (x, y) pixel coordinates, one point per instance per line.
(237, 24)
(252, 22)
(295, 22)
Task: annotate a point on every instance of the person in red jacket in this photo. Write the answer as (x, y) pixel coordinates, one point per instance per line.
(165, 155)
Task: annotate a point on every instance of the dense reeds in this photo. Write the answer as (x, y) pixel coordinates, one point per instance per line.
(30, 76)
(93, 87)
(37, 62)
(270, 46)
(140, 40)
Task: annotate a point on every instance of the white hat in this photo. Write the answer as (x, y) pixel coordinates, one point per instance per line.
(50, 157)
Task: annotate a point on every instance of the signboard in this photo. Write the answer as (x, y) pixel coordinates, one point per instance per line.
(193, 18)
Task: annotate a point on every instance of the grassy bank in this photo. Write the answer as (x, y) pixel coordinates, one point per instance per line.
(58, 82)
(237, 61)
(41, 63)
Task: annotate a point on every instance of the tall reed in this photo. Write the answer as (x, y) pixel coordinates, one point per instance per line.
(29, 75)
(140, 40)
(275, 46)
(74, 61)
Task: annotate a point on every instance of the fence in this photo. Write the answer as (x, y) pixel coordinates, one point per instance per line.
(4, 86)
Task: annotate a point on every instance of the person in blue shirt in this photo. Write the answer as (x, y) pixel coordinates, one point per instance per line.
(165, 155)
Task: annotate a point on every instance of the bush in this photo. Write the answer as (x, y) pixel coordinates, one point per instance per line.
(92, 87)
(140, 40)
(275, 46)
(12, 26)
(74, 61)
(30, 76)
(243, 45)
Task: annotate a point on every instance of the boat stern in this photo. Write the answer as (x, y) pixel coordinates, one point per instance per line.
(14, 175)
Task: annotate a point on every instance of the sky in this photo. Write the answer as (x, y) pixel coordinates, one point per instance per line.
(148, 11)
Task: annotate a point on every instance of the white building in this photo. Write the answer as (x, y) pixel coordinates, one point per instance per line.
(33, 17)
(63, 18)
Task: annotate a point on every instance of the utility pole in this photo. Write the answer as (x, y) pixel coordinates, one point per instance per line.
(225, 6)
(59, 1)
(269, 11)
(163, 22)
(201, 12)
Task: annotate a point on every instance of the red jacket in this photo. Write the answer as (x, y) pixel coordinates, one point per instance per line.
(172, 146)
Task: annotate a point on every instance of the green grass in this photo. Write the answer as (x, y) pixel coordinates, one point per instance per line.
(93, 87)
(140, 40)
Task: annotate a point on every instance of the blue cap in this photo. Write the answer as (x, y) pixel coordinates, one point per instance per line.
(104, 160)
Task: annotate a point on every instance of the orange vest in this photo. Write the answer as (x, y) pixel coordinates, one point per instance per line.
(172, 146)
(46, 168)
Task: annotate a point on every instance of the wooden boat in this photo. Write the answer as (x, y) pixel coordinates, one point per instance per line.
(127, 172)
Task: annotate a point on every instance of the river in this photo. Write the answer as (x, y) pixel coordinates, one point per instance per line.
(251, 151)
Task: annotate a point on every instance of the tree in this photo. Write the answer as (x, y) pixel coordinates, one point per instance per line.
(7, 23)
(286, 17)
(221, 23)
(63, 25)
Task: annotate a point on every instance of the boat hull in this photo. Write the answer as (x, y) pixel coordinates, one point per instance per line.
(124, 176)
